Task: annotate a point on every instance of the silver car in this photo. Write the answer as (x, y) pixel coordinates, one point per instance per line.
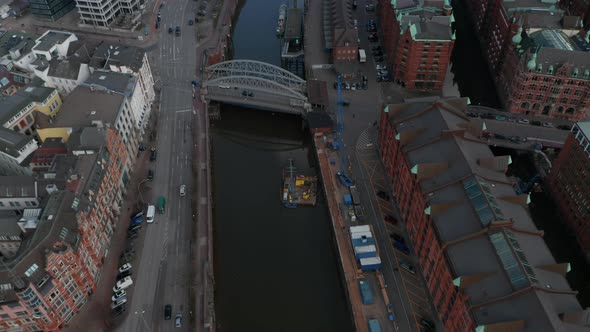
(178, 320)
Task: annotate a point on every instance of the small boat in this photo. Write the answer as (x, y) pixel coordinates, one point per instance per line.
(281, 20)
(298, 190)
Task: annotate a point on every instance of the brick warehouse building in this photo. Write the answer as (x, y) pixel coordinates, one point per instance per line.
(485, 263)
(57, 267)
(513, 32)
(569, 185)
(546, 73)
(577, 7)
(418, 41)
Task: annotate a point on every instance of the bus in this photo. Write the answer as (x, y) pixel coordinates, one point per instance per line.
(161, 204)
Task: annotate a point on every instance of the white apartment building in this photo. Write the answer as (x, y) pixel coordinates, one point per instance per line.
(128, 60)
(14, 149)
(102, 14)
(18, 193)
(64, 75)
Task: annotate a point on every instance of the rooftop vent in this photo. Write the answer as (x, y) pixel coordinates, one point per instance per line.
(103, 77)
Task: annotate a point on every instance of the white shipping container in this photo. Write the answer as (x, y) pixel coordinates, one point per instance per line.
(370, 261)
(365, 249)
(360, 229)
(361, 234)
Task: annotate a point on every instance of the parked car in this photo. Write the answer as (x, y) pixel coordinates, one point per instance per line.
(401, 247)
(118, 294)
(153, 155)
(150, 175)
(523, 121)
(472, 114)
(123, 284)
(548, 125)
(133, 228)
(383, 195)
(564, 127)
(397, 237)
(182, 190)
(190, 22)
(125, 267)
(119, 310)
(119, 302)
(177, 31)
(427, 323)
(170, 30)
(500, 118)
(377, 53)
(487, 116)
(511, 119)
(390, 219)
(364, 85)
(137, 214)
(380, 67)
(136, 221)
(123, 275)
(406, 266)
(167, 312)
(178, 320)
(536, 123)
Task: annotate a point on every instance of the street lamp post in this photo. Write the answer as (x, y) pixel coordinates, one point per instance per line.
(140, 314)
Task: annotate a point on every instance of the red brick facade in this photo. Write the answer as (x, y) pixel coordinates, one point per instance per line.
(577, 7)
(417, 64)
(569, 186)
(451, 304)
(73, 271)
(548, 91)
(345, 53)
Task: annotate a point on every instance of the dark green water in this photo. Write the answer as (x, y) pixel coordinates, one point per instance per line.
(275, 268)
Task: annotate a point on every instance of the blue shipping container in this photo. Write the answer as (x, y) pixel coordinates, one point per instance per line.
(365, 251)
(374, 325)
(366, 292)
(371, 263)
(363, 242)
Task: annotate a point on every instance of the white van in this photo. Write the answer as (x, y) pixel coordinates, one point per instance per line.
(151, 212)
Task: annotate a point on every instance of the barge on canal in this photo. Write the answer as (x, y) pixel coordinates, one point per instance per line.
(298, 189)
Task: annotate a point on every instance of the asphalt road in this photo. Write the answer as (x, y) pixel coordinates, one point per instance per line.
(161, 272)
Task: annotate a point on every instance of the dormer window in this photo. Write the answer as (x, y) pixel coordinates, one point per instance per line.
(550, 70)
(575, 72)
(586, 74)
(539, 68)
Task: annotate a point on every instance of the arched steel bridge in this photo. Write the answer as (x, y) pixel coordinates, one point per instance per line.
(255, 84)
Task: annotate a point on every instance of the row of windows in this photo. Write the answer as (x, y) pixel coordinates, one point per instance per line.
(18, 204)
(552, 100)
(558, 81)
(345, 51)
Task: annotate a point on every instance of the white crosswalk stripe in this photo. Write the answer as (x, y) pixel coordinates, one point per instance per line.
(364, 142)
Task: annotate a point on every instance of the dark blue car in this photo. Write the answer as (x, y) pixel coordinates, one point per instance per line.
(137, 221)
(401, 247)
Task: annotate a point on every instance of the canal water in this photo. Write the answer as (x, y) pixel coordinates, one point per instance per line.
(275, 268)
